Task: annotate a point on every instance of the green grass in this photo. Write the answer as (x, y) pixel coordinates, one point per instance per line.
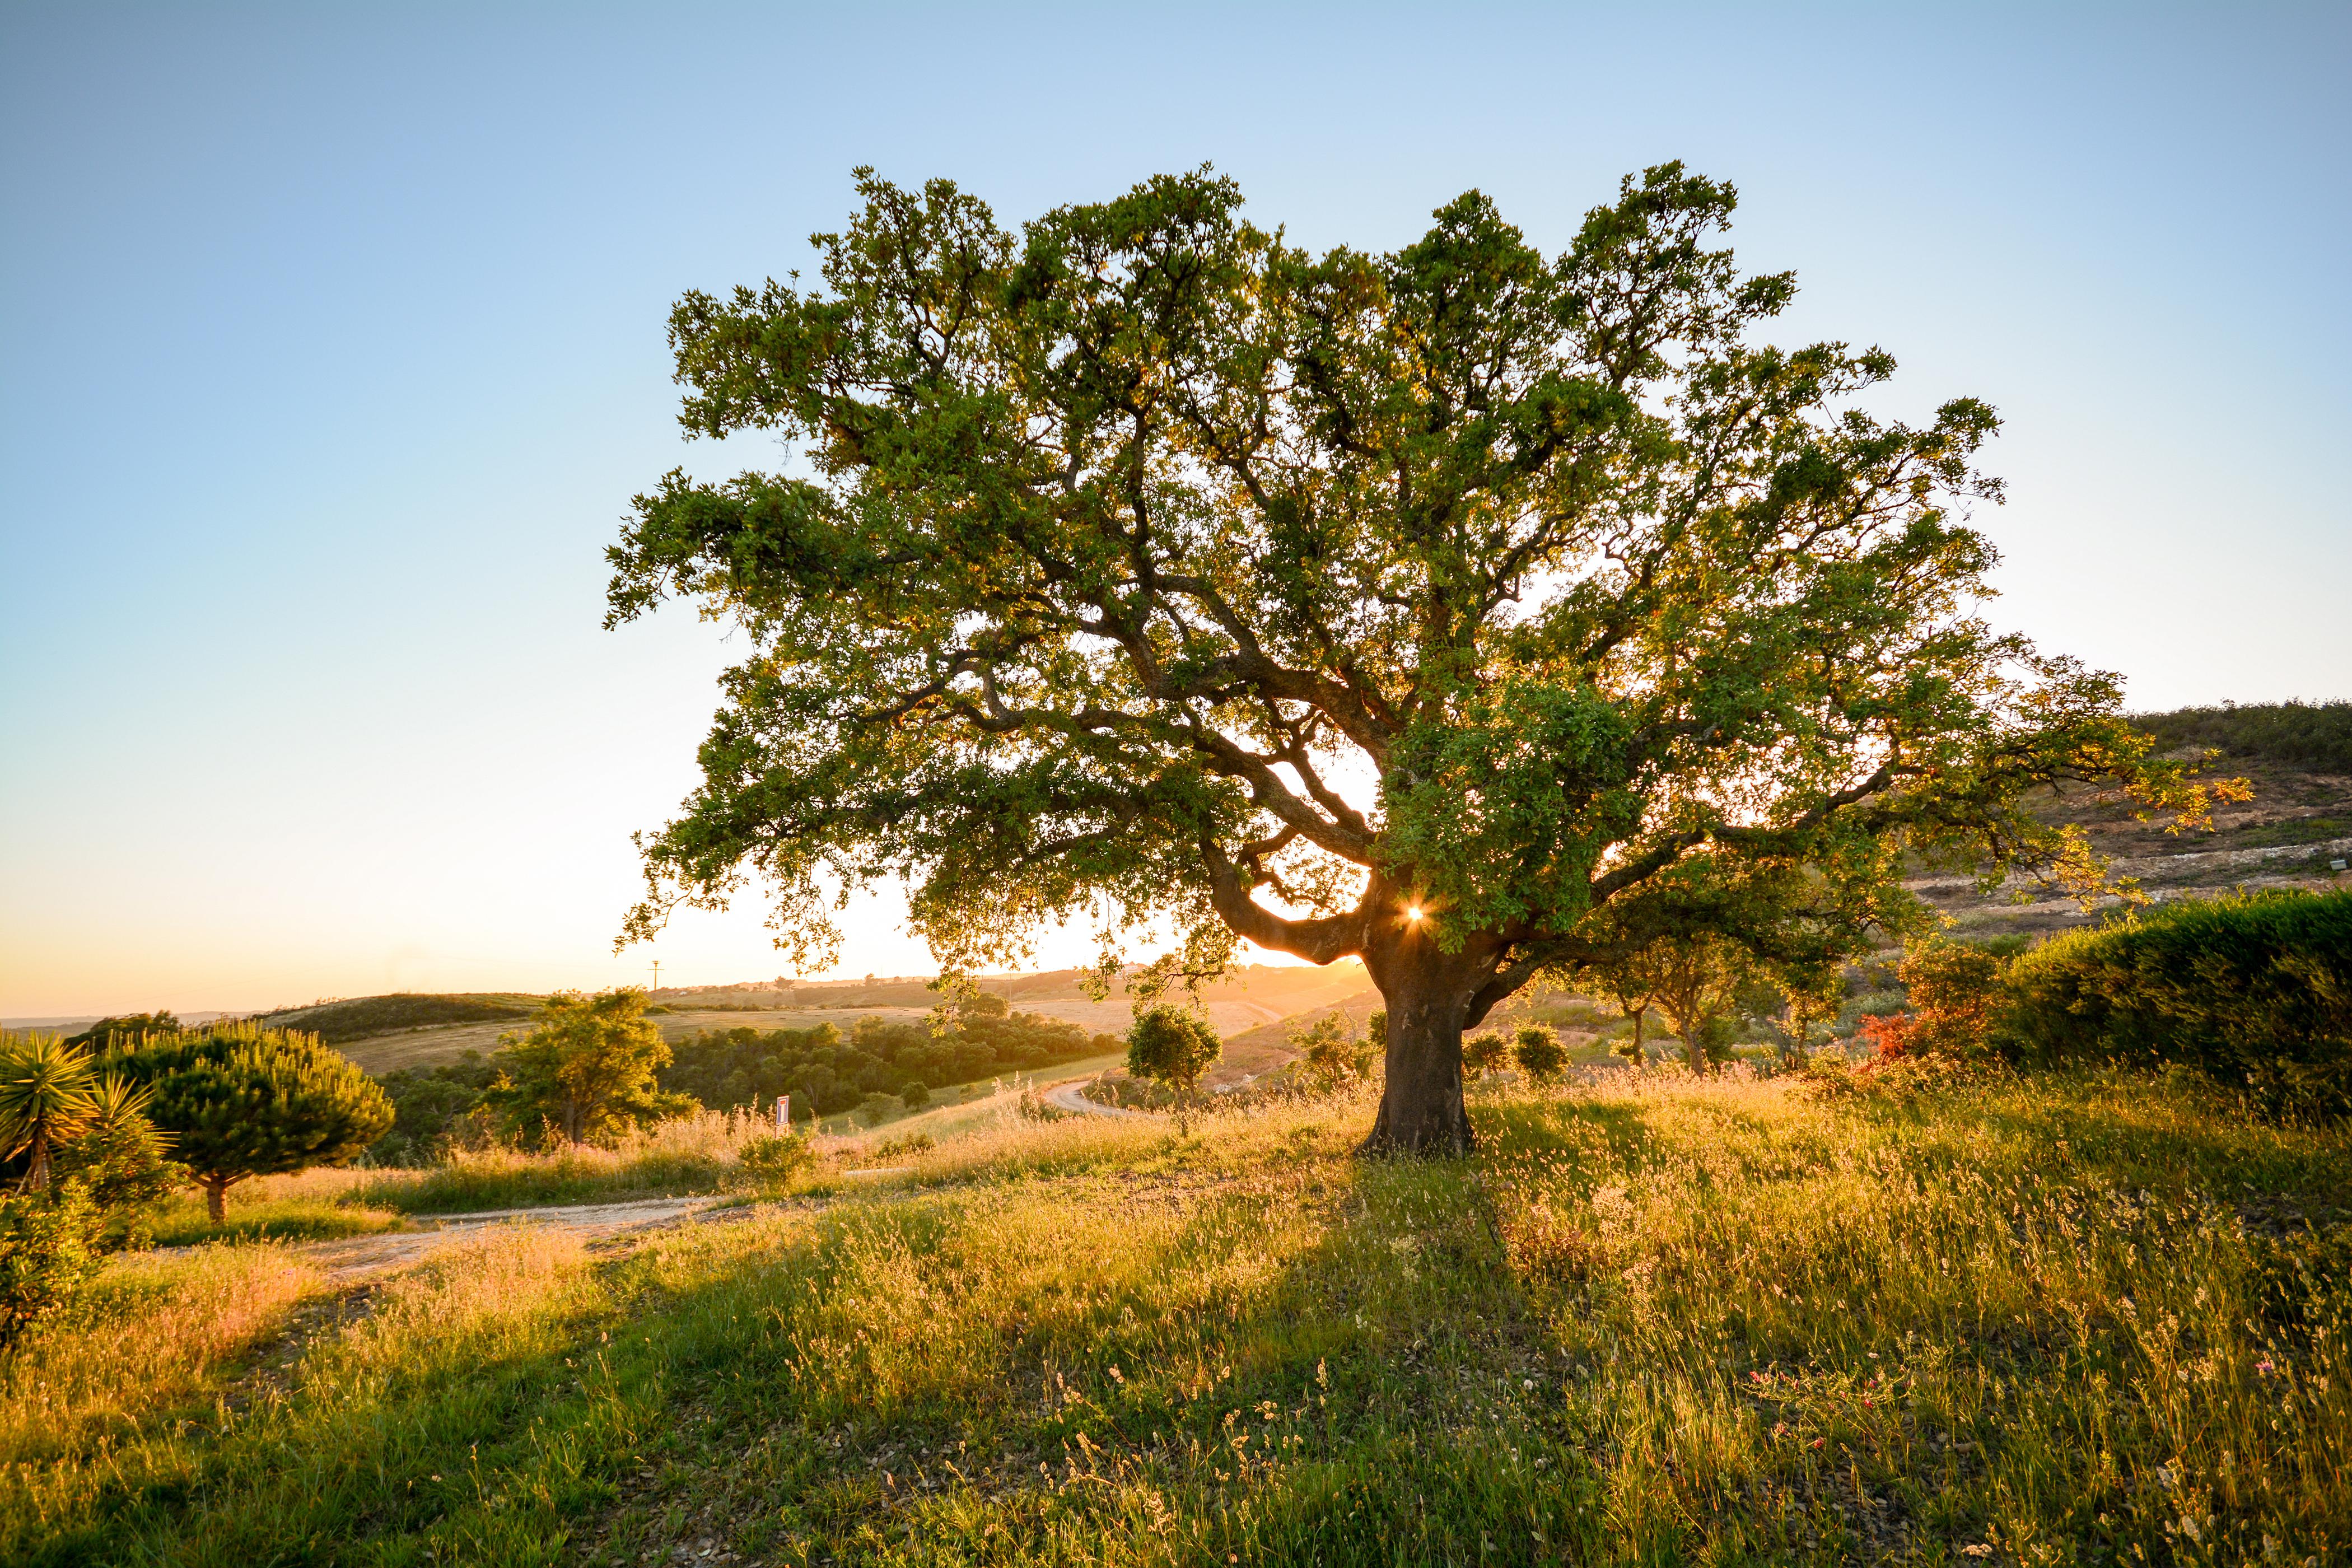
(2071, 1321)
(2301, 830)
(183, 1222)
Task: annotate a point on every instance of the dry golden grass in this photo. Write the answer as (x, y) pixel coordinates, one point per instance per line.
(2061, 1321)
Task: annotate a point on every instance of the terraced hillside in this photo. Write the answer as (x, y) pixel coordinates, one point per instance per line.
(2295, 831)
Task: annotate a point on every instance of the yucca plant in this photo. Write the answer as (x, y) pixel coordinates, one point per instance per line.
(47, 1096)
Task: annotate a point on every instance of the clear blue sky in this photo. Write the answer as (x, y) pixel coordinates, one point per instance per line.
(331, 347)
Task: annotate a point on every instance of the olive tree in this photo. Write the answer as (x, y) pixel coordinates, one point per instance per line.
(1143, 567)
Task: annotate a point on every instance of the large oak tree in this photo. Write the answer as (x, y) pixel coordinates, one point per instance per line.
(1438, 607)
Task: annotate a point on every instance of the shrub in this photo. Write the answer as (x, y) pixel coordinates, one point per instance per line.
(776, 1159)
(2254, 991)
(878, 1108)
(1173, 1047)
(1956, 989)
(917, 1096)
(1483, 1054)
(1538, 1051)
(49, 1245)
(123, 1159)
(1334, 1054)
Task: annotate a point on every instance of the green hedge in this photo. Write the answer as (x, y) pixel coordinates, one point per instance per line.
(2254, 991)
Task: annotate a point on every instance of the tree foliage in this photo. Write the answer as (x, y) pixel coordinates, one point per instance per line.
(48, 1094)
(1485, 1053)
(587, 1069)
(1538, 1051)
(2254, 991)
(1173, 1045)
(240, 1100)
(1420, 605)
(125, 1028)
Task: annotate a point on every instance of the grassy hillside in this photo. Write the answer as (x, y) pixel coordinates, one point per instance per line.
(2317, 736)
(2059, 1322)
(360, 1018)
(386, 1032)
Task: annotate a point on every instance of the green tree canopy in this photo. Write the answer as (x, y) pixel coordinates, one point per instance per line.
(240, 1100)
(587, 1069)
(1174, 1046)
(1144, 567)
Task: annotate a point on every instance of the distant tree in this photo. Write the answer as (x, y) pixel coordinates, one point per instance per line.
(126, 1028)
(587, 1069)
(877, 1108)
(916, 1094)
(1334, 1052)
(47, 1096)
(1812, 1001)
(1485, 1053)
(1538, 1052)
(1172, 1046)
(240, 1100)
(1700, 978)
(1124, 538)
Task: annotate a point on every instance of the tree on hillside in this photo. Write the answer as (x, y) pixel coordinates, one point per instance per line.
(240, 1100)
(1173, 1045)
(587, 1069)
(1418, 606)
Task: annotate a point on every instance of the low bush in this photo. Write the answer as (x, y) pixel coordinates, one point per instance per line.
(775, 1158)
(1536, 1051)
(49, 1243)
(2253, 991)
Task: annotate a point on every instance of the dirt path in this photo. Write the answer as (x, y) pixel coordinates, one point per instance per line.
(359, 1257)
(1065, 1097)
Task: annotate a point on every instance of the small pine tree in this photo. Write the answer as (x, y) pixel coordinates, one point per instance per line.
(1538, 1052)
(241, 1101)
(1172, 1047)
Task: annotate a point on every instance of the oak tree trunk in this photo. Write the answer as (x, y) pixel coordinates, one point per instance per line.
(1428, 995)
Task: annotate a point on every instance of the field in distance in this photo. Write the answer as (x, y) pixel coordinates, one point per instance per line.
(418, 1029)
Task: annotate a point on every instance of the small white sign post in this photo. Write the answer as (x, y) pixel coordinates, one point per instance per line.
(783, 1113)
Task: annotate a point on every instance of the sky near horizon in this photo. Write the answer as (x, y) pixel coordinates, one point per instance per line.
(331, 351)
